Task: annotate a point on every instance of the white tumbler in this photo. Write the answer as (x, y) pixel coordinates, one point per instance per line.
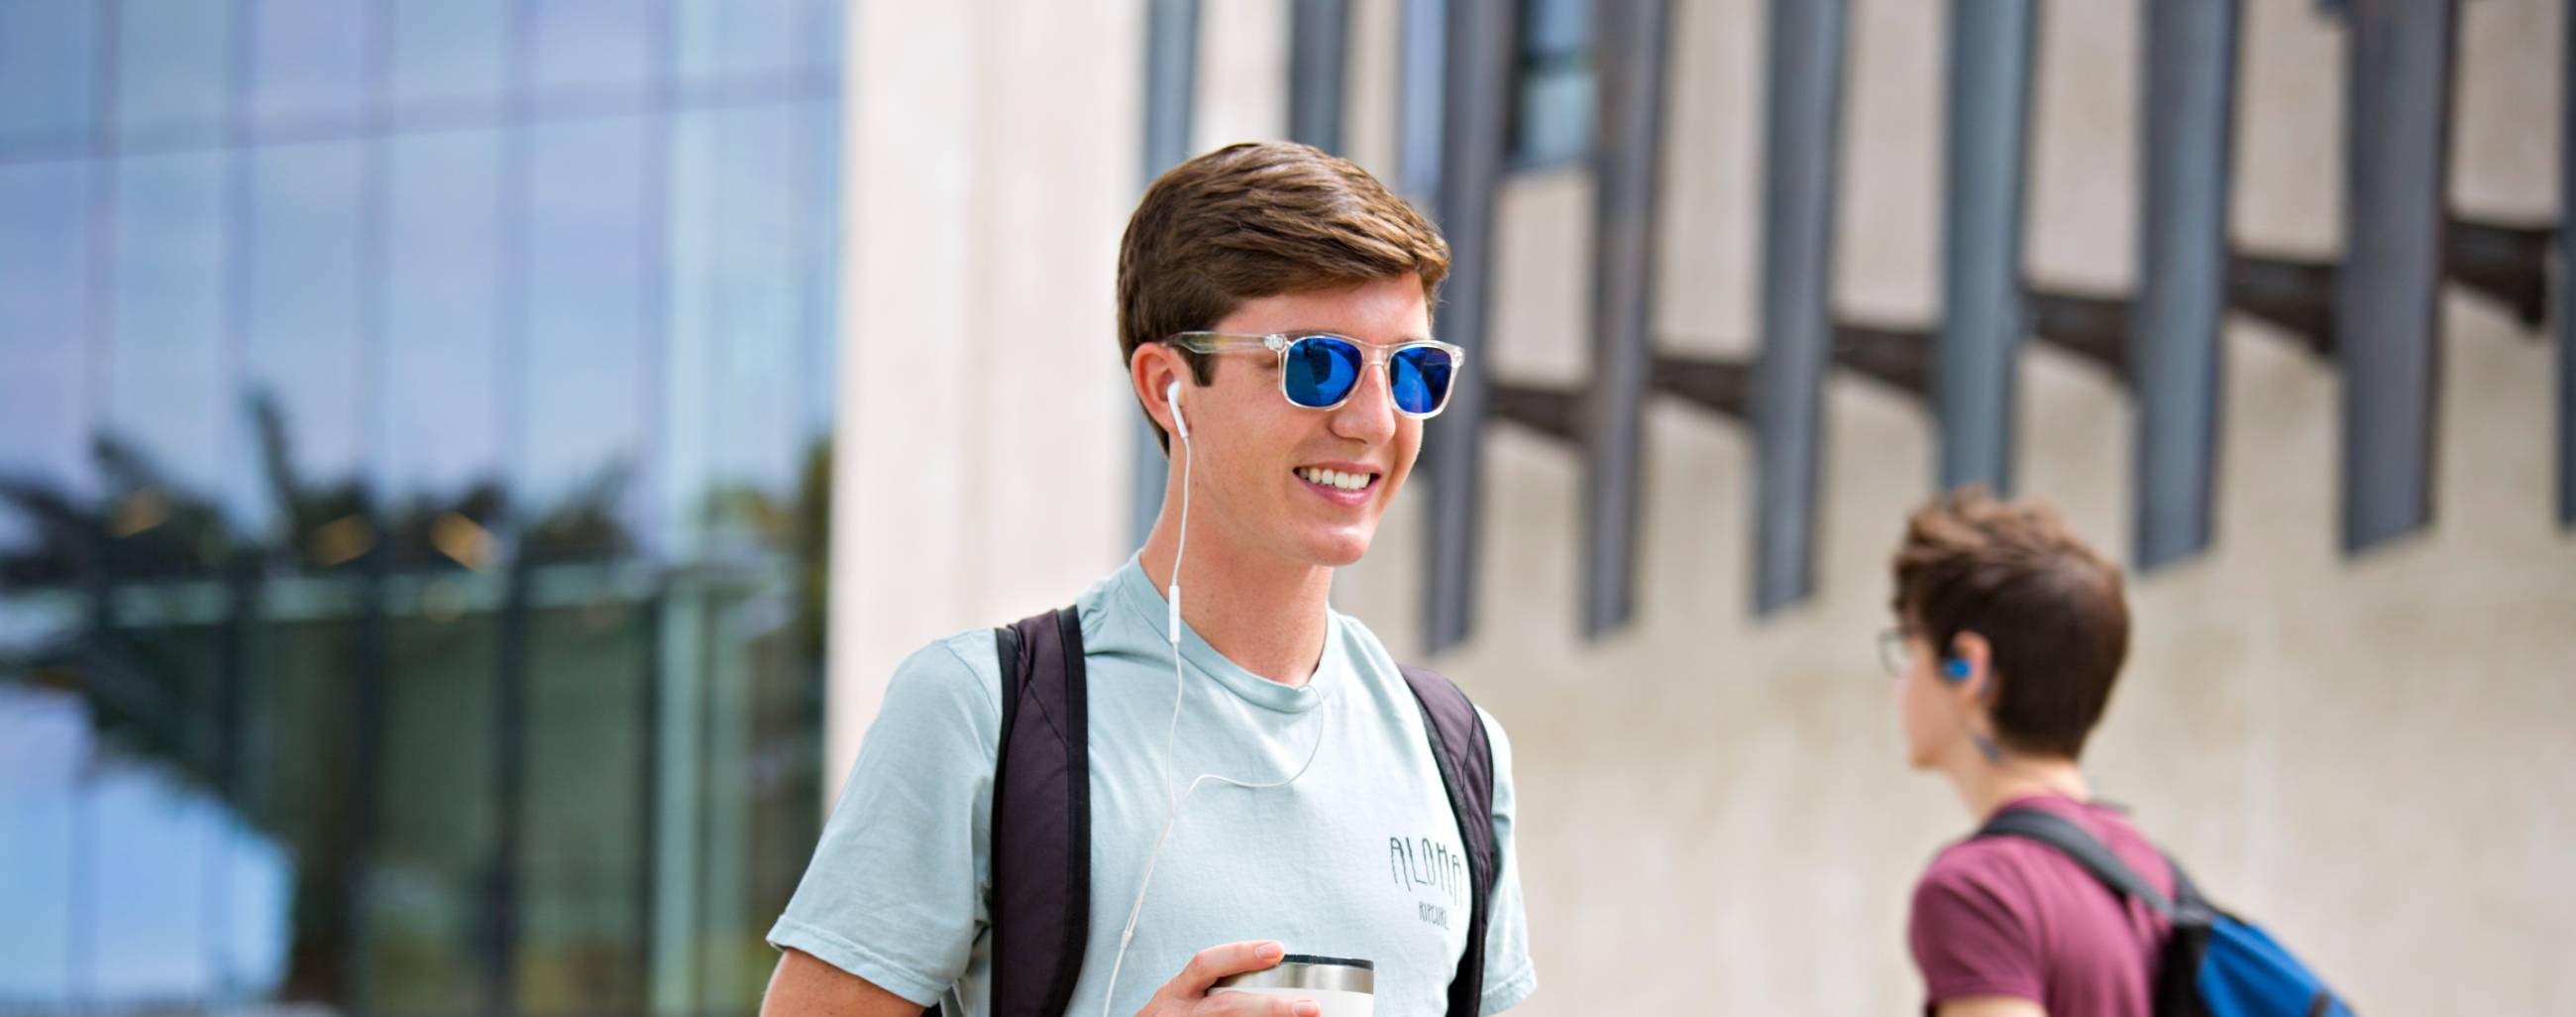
(1343, 987)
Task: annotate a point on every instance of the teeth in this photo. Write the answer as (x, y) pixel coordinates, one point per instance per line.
(1334, 478)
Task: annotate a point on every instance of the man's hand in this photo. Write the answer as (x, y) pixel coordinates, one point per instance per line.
(1990, 1006)
(1186, 995)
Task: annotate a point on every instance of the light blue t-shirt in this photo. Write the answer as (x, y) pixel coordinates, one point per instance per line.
(1359, 858)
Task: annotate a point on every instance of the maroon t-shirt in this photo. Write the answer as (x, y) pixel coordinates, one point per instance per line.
(2007, 916)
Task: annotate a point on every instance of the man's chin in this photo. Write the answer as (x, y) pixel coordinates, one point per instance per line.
(1339, 550)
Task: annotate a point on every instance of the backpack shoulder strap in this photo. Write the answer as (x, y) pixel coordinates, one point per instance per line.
(2070, 840)
(1466, 763)
(1041, 823)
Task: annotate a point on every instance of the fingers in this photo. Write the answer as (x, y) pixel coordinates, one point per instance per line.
(1245, 1004)
(1219, 961)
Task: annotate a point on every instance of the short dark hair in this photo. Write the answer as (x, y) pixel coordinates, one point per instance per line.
(1256, 220)
(2051, 608)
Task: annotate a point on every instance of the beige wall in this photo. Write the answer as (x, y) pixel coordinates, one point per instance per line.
(1715, 815)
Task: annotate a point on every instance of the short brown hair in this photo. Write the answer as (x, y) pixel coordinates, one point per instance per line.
(1256, 220)
(2051, 608)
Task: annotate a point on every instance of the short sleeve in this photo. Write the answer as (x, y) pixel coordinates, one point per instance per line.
(895, 893)
(1968, 936)
(1510, 977)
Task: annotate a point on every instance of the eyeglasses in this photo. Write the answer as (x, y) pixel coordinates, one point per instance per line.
(1320, 370)
(1893, 654)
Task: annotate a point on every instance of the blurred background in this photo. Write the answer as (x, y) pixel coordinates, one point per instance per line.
(415, 436)
(428, 432)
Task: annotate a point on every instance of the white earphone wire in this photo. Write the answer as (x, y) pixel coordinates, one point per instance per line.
(1180, 688)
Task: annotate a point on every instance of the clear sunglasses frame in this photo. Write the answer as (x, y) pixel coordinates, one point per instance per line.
(1371, 355)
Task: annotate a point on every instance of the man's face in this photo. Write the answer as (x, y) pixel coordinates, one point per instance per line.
(1927, 708)
(1256, 454)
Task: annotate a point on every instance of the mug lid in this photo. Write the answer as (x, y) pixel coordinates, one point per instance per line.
(1309, 971)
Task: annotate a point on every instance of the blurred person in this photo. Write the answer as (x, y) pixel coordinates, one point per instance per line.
(2009, 636)
(1274, 314)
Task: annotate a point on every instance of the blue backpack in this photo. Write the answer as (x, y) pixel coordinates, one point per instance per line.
(2216, 965)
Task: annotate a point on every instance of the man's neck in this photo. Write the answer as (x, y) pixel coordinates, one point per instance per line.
(1266, 615)
(1985, 786)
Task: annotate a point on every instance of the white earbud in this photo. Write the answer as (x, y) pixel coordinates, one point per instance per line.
(1172, 398)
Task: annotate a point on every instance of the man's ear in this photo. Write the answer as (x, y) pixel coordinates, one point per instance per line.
(1972, 652)
(1151, 370)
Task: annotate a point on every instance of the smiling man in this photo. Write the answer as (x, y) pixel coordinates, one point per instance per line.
(1258, 776)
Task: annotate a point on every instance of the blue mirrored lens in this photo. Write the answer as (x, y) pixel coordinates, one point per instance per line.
(1320, 371)
(1421, 379)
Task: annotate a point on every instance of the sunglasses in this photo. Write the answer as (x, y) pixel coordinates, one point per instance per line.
(1320, 370)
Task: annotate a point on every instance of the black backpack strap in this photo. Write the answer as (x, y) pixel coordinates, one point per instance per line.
(1041, 824)
(2070, 840)
(1467, 772)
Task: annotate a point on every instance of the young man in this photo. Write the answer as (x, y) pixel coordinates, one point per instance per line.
(1274, 312)
(2010, 633)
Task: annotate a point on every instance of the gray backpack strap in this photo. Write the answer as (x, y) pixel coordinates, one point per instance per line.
(1041, 825)
(1467, 772)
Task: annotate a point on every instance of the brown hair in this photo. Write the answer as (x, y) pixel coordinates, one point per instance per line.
(1255, 220)
(2051, 608)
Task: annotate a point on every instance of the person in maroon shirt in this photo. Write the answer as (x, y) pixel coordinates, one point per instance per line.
(2009, 635)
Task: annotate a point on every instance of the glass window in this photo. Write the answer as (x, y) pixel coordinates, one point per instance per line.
(47, 82)
(306, 340)
(733, 38)
(583, 369)
(595, 47)
(44, 742)
(311, 60)
(445, 51)
(147, 839)
(284, 781)
(818, 137)
(763, 754)
(1553, 103)
(301, 722)
(174, 63)
(582, 864)
(736, 321)
(169, 406)
(442, 383)
(154, 826)
(44, 325)
(428, 914)
(820, 28)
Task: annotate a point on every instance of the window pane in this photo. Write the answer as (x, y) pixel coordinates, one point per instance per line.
(582, 911)
(312, 59)
(157, 827)
(449, 50)
(1553, 104)
(585, 356)
(442, 379)
(818, 220)
(300, 725)
(173, 70)
(146, 853)
(169, 403)
(736, 321)
(595, 45)
(44, 326)
(44, 743)
(428, 905)
(732, 38)
(306, 334)
(763, 771)
(47, 83)
(820, 31)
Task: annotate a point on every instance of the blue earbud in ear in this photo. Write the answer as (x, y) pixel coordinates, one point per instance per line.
(1954, 669)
